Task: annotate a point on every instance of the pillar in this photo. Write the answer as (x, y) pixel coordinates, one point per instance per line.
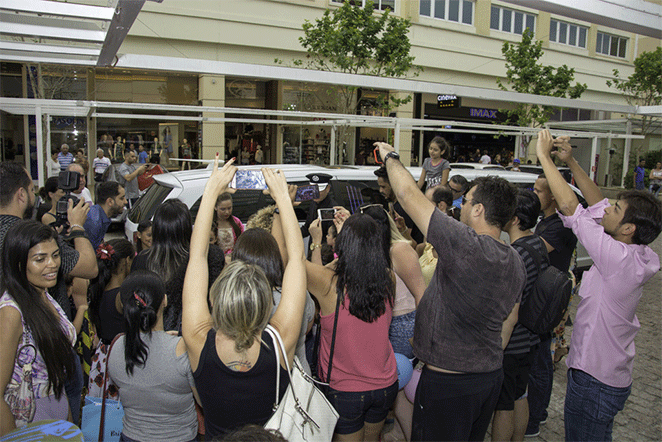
(211, 92)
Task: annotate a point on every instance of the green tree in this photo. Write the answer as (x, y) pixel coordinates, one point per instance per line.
(355, 40)
(526, 75)
(642, 88)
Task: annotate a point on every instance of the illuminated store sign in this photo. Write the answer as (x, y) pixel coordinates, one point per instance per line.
(449, 100)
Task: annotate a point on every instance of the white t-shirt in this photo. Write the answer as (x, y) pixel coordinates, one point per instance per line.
(53, 168)
(485, 159)
(86, 195)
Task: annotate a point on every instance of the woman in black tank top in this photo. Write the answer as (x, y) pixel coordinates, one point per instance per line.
(234, 372)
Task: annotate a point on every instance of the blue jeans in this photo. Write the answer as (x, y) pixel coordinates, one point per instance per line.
(590, 407)
(541, 378)
(74, 389)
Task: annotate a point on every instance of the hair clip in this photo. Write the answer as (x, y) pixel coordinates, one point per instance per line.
(140, 300)
(105, 251)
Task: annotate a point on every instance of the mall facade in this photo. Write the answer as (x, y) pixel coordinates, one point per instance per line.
(222, 54)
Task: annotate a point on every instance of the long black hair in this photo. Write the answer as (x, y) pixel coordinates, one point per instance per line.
(108, 264)
(235, 227)
(142, 227)
(258, 246)
(142, 294)
(171, 238)
(363, 268)
(52, 341)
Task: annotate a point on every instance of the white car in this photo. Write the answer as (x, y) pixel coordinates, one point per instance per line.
(477, 166)
(352, 187)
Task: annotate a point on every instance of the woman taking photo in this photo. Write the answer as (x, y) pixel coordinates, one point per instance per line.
(151, 367)
(51, 194)
(258, 246)
(32, 324)
(364, 378)
(169, 255)
(228, 227)
(231, 354)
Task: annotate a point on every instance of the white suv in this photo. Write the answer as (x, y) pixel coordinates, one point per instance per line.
(352, 187)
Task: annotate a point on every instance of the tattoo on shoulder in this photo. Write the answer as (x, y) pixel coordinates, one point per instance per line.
(240, 365)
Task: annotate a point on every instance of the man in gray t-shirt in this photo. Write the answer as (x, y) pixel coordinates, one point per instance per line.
(469, 309)
(128, 174)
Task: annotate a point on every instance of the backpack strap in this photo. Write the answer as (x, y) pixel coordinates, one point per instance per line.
(537, 256)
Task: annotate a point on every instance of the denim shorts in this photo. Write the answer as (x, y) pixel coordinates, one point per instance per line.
(401, 330)
(357, 407)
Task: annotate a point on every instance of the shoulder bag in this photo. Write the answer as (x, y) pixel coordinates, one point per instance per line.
(304, 413)
(21, 398)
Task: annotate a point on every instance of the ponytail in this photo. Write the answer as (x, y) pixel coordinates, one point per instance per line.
(142, 295)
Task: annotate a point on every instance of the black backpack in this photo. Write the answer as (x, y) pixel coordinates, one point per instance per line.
(549, 298)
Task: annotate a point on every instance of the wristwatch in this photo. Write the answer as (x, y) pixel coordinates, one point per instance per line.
(314, 246)
(392, 154)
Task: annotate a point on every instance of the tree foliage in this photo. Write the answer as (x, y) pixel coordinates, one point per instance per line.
(525, 75)
(644, 86)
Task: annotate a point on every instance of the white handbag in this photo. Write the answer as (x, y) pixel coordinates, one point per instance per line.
(304, 413)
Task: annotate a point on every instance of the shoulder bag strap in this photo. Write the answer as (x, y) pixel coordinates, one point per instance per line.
(104, 395)
(278, 343)
(333, 339)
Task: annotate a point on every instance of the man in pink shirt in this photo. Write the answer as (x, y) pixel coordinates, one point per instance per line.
(602, 344)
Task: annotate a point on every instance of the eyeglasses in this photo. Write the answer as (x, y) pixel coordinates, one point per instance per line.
(465, 200)
(367, 206)
(454, 190)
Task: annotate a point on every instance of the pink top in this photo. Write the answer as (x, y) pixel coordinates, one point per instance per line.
(363, 358)
(602, 342)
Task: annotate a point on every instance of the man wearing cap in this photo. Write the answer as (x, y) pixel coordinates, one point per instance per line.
(516, 164)
(325, 201)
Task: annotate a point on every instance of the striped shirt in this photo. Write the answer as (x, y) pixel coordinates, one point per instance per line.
(65, 160)
(522, 339)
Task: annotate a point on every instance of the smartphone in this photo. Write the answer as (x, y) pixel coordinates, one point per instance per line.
(307, 192)
(326, 214)
(248, 179)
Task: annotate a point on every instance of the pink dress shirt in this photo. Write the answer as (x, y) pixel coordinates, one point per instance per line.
(602, 342)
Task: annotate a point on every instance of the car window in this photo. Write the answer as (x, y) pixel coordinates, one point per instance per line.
(462, 166)
(246, 202)
(356, 193)
(148, 203)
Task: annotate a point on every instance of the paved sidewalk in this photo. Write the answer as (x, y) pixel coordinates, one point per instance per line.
(641, 419)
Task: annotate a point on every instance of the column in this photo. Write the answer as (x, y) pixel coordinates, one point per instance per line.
(211, 92)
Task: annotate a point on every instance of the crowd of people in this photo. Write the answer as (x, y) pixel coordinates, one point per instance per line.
(425, 285)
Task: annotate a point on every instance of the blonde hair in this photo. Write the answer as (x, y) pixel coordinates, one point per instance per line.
(262, 219)
(396, 236)
(241, 303)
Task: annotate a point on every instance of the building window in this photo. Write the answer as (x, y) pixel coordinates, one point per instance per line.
(459, 11)
(507, 20)
(611, 45)
(380, 5)
(567, 34)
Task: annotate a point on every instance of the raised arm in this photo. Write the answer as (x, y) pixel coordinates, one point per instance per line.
(589, 189)
(565, 197)
(196, 319)
(417, 206)
(288, 316)
(407, 267)
(86, 266)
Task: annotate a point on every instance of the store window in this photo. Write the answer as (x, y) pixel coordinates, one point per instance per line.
(459, 11)
(611, 45)
(380, 5)
(567, 33)
(508, 20)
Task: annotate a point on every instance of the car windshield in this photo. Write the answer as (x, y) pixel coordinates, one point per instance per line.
(148, 203)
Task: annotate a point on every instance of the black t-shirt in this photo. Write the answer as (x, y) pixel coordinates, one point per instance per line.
(111, 322)
(561, 238)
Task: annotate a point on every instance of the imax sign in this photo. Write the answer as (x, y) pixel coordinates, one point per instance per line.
(483, 113)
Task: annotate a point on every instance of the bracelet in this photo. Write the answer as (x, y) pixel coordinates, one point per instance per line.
(76, 234)
(77, 225)
(314, 246)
